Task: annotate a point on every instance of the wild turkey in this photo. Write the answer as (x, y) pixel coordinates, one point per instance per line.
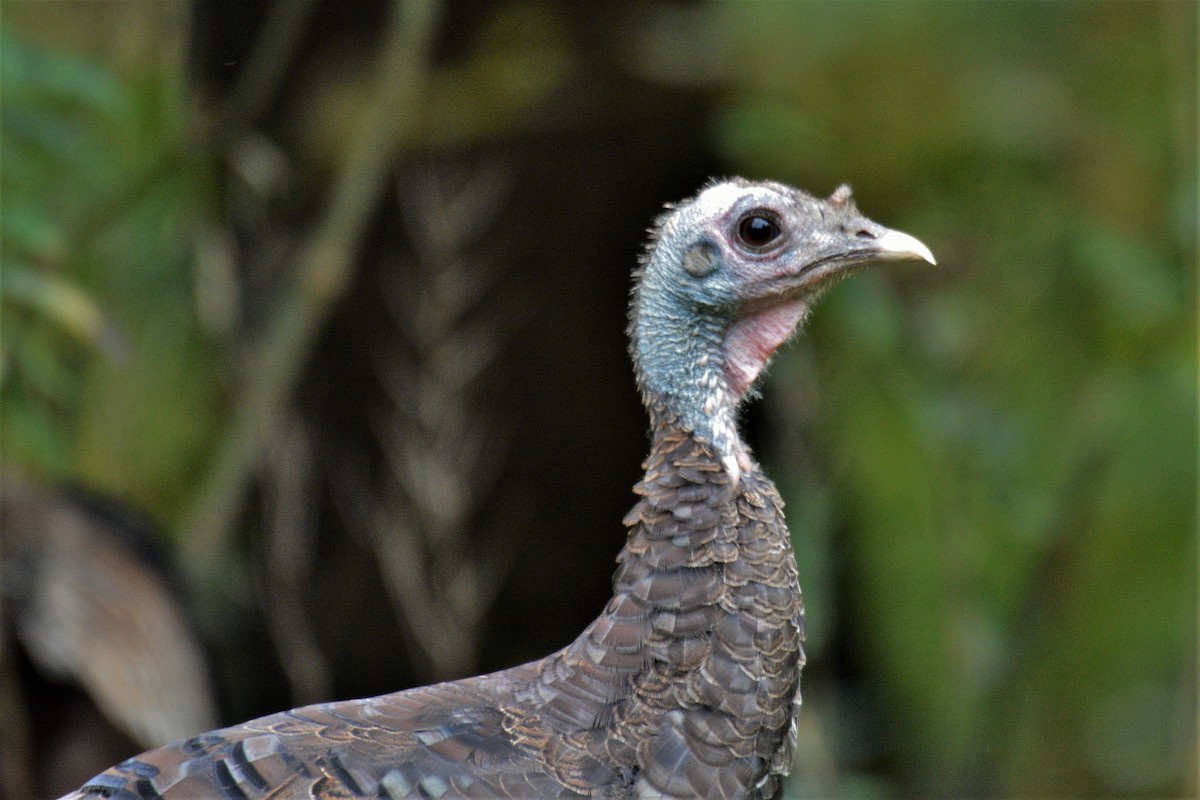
(687, 684)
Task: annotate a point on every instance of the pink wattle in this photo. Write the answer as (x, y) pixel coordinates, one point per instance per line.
(753, 339)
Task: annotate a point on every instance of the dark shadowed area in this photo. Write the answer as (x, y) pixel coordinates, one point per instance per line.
(313, 355)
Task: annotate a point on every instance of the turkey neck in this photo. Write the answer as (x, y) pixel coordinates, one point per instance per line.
(678, 352)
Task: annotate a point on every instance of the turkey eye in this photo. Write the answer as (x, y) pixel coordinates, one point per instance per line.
(758, 230)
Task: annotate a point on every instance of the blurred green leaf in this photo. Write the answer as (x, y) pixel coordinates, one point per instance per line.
(32, 437)
(33, 75)
(35, 359)
(62, 303)
(1141, 289)
(30, 232)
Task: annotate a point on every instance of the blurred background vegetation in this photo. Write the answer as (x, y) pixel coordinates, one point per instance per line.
(332, 296)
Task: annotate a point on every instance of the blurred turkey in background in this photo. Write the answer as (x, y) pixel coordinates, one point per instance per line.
(91, 622)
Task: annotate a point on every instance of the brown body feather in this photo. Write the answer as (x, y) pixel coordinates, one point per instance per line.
(685, 686)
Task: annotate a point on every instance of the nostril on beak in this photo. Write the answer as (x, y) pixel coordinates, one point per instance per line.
(863, 233)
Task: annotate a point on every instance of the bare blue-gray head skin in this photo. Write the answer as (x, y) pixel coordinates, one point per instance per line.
(727, 278)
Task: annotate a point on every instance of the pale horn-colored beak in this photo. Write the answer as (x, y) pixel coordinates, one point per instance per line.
(895, 245)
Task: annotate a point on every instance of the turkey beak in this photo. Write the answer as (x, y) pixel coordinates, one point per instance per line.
(858, 246)
(893, 245)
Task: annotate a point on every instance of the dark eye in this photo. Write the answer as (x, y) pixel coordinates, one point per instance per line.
(758, 230)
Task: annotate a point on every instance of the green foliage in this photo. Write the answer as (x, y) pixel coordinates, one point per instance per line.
(98, 325)
(51, 108)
